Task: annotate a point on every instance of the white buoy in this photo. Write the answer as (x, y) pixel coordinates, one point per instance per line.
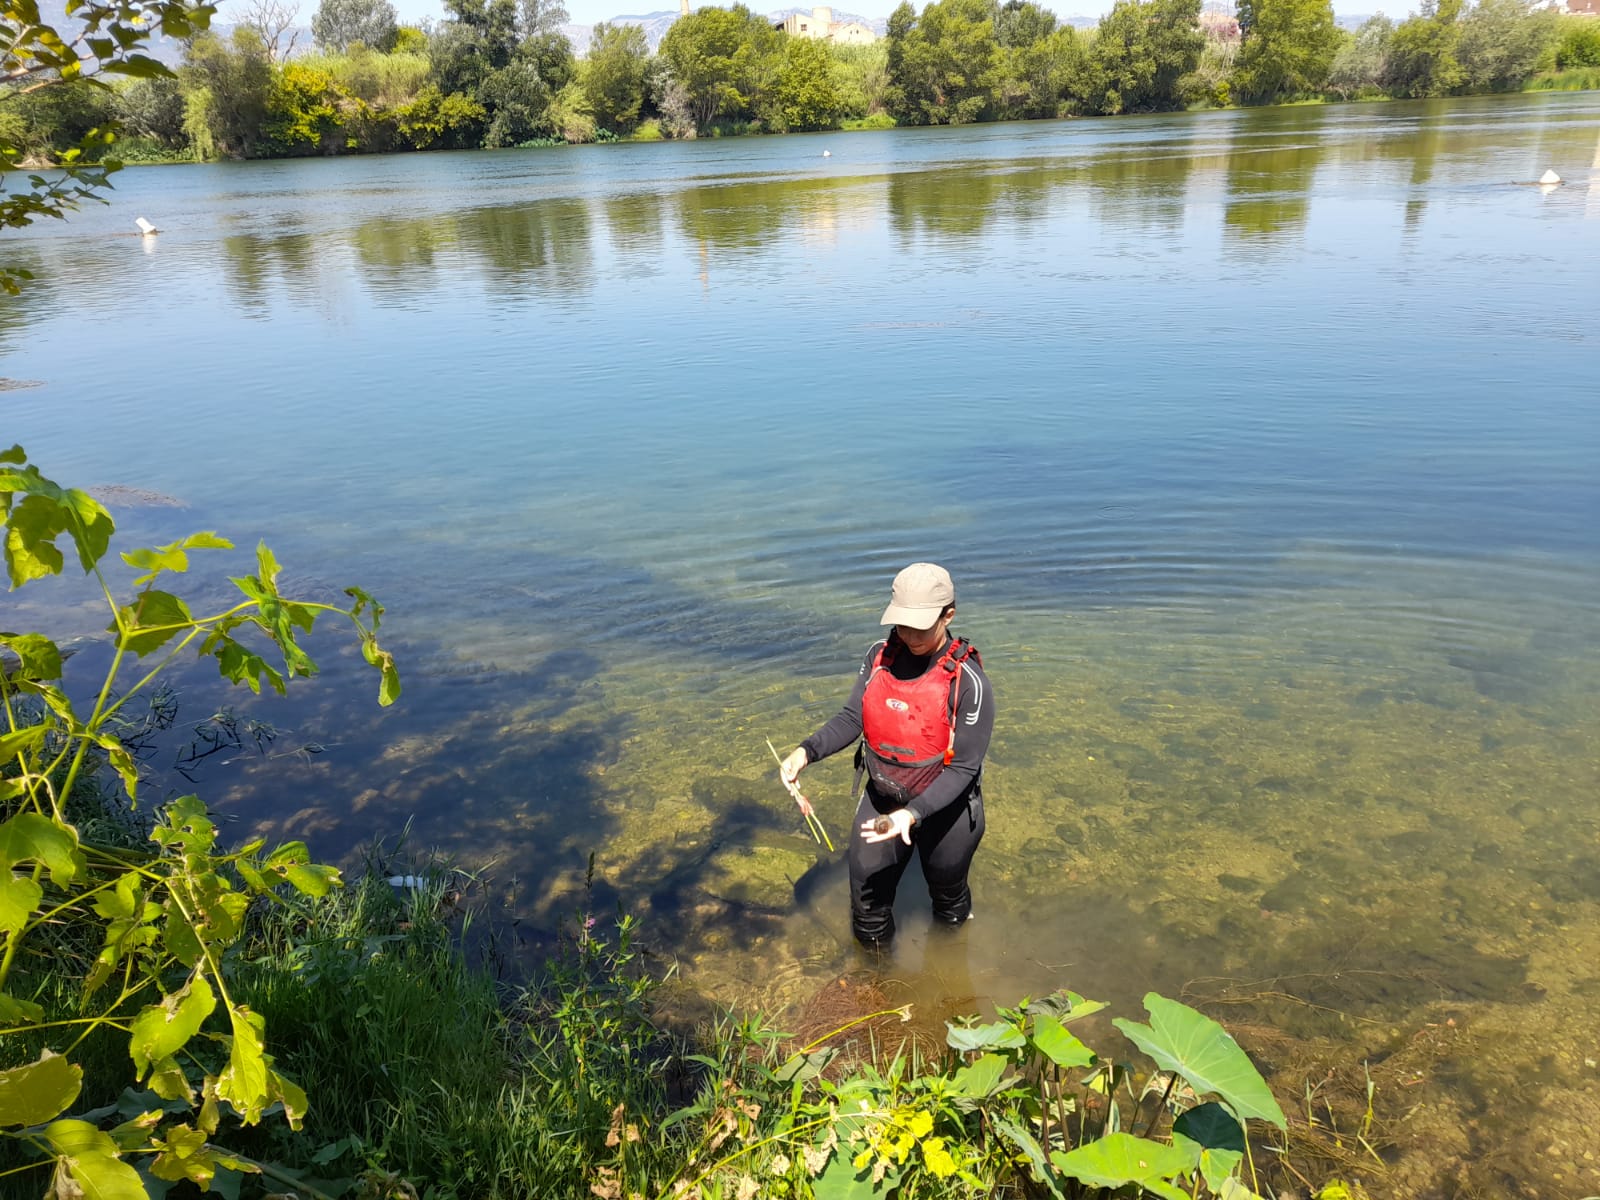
(145, 227)
(1549, 179)
(827, 154)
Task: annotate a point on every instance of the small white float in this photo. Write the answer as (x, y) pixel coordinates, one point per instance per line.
(827, 154)
(145, 227)
(1550, 179)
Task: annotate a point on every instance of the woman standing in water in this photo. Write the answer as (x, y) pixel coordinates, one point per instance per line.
(923, 711)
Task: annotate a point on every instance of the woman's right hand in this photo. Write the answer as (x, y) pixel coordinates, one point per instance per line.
(789, 771)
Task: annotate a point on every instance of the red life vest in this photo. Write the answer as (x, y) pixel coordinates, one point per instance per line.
(908, 726)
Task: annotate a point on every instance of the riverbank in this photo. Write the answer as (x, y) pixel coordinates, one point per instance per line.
(137, 152)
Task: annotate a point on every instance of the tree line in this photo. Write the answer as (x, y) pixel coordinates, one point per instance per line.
(496, 73)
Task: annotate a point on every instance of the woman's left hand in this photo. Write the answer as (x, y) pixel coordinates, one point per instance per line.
(900, 823)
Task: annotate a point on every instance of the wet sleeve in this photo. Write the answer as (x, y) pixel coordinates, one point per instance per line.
(974, 724)
(844, 728)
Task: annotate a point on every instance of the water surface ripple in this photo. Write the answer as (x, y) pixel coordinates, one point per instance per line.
(1261, 445)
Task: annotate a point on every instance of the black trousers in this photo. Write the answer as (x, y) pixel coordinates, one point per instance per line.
(945, 842)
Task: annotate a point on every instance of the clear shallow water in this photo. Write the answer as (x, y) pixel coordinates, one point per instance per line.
(1261, 445)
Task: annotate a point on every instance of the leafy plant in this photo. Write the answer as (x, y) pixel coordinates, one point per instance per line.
(1010, 1109)
(146, 934)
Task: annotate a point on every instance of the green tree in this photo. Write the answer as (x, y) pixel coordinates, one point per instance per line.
(339, 24)
(542, 16)
(228, 86)
(51, 122)
(1287, 48)
(861, 74)
(904, 96)
(1502, 42)
(1019, 23)
(613, 75)
(804, 94)
(723, 58)
(1142, 51)
(517, 101)
(494, 53)
(943, 66)
(304, 112)
(99, 40)
(551, 55)
(1036, 79)
(153, 109)
(1577, 43)
(1362, 60)
(435, 121)
(1422, 53)
(476, 39)
(1036, 61)
(409, 39)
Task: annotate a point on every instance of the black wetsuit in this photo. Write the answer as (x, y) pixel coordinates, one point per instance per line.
(949, 812)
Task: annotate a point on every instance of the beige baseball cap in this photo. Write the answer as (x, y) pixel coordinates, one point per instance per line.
(920, 594)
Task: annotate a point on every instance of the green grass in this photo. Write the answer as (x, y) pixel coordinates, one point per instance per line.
(880, 120)
(144, 151)
(421, 1065)
(1573, 79)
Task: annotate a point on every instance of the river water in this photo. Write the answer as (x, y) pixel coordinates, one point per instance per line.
(1261, 445)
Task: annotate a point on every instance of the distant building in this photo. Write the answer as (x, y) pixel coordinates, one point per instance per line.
(1583, 8)
(820, 24)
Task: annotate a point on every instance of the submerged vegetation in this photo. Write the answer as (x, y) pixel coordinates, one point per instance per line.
(176, 1012)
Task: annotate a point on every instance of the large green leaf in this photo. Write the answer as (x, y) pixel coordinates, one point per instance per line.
(1196, 1047)
(982, 1078)
(1120, 1158)
(90, 525)
(1216, 1139)
(184, 825)
(88, 1157)
(1066, 1006)
(289, 1094)
(20, 898)
(841, 1181)
(31, 532)
(14, 1011)
(1001, 1035)
(161, 1030)
(35, 1092)
(292, 861)
(1212, 1126)
(48, 511)
(19, 740)
(152, 621)
(1051, 1038)
(184, 1156)
(37, 655)
(29, 836)
(243, 1082)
